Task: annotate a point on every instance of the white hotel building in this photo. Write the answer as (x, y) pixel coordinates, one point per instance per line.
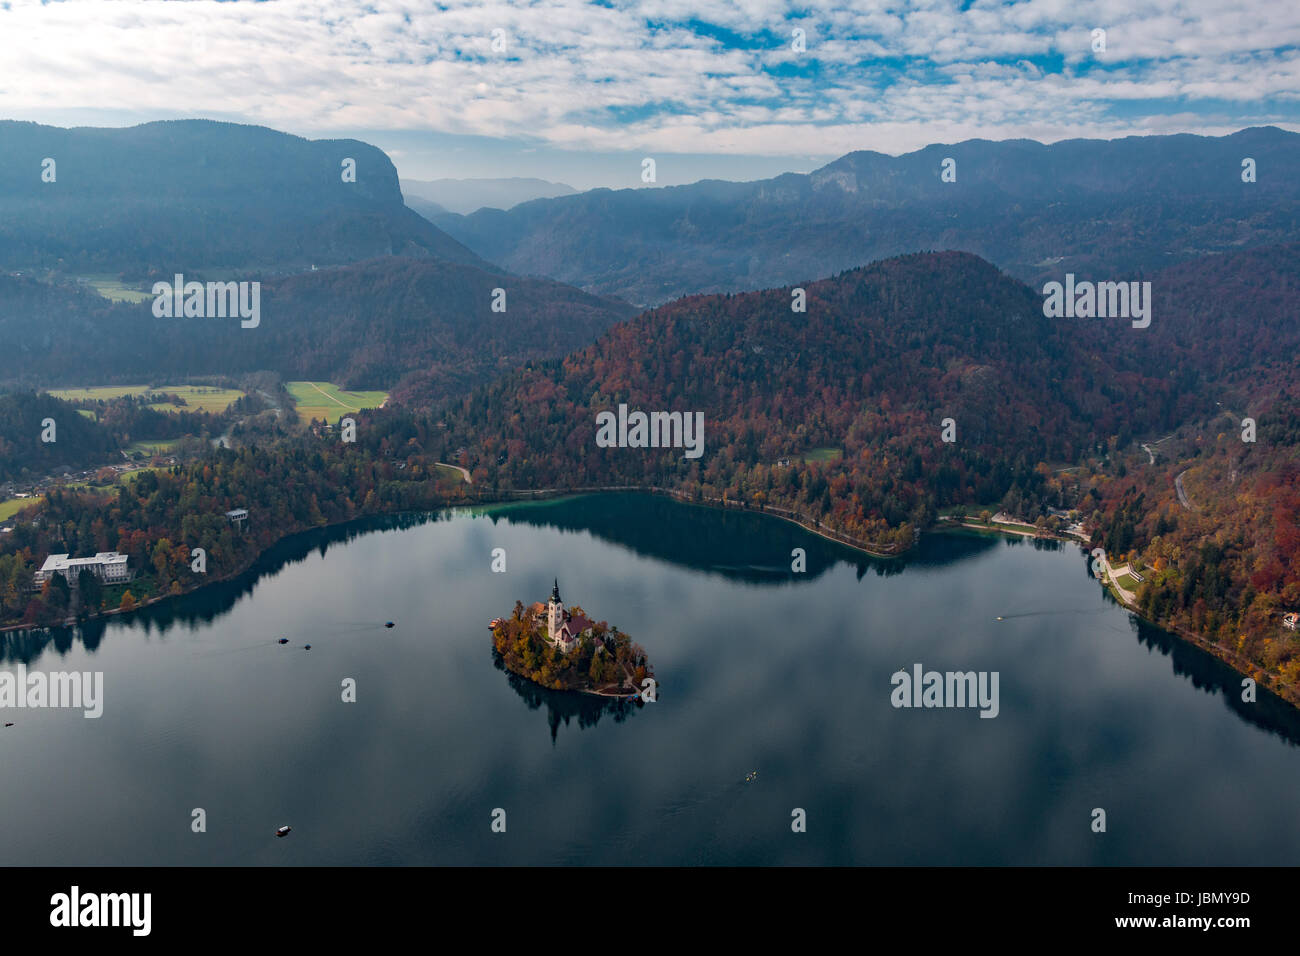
(109, 566)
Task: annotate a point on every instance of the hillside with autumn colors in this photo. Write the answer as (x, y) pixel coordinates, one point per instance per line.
(1220, 562)
(836, 412)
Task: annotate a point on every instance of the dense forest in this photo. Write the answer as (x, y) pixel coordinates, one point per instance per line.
(362, 326)
(39, 433)
(836, 413)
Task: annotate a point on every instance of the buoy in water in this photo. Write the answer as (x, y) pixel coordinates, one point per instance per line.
(306, 647)
(283, 831)
(284, 640)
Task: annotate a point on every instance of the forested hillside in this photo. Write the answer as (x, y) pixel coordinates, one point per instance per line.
(361, 326)
(31, 445)
(860, 385)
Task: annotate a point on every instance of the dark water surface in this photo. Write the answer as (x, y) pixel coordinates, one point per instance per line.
(760, 669)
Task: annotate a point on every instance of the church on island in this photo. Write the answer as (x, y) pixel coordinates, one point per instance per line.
(563, 629)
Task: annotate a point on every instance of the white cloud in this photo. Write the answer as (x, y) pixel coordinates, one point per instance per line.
(638, 76)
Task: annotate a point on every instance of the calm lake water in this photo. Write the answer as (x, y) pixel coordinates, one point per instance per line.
(760, 669)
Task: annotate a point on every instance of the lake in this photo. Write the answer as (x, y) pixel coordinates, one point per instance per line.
(759, 668)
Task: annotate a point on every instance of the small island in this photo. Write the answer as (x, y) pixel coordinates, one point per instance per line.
(562, 649)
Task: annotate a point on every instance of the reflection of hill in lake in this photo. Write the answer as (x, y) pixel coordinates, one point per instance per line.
(200, 607)
(563, 706)
(740, 545)
(744, 546)
(1211, 675)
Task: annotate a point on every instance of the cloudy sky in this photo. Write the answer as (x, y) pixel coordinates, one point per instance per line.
(580, 92)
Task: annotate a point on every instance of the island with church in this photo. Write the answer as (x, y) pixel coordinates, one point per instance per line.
(562, 649)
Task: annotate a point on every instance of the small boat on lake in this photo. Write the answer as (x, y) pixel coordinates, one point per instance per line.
(283, 831)
(284, 640)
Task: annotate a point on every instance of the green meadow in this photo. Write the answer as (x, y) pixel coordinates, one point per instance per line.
(325, 401)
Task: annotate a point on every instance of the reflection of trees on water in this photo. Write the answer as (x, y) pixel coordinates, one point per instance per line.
(739, 545)
(199, 608)
(563, 706)
(1213, 676)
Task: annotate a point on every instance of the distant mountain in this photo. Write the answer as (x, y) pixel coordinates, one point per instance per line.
(467, 195)
(1097, 208)
(199, 195)
(426, 208)
(363, 326)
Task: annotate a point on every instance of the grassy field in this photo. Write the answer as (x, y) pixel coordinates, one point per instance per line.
(14, 505)
(205, 398)
(151, 447)
(446, 472)
(112, 288)
(823, 454)
(326, 402)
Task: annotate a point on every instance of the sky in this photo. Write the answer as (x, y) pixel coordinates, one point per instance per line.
(582, 92)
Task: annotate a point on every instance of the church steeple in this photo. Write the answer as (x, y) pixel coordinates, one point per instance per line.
(554, 613)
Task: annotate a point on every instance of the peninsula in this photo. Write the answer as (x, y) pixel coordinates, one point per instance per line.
(562, 649)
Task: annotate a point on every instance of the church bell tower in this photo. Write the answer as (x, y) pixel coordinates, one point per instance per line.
(554, 612)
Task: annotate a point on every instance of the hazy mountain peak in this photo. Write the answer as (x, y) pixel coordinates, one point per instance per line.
(464, 196)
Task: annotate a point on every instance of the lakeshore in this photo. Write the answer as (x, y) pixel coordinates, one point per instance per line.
(516, 498)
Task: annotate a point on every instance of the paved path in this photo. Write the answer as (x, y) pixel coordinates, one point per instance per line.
(1182, 492)
(1128, 597)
